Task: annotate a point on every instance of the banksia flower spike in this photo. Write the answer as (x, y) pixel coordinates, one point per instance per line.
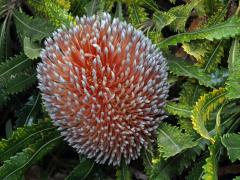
(104, 85)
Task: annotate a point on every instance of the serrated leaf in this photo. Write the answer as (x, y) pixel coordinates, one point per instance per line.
(223, 30)
(162, 19)
(197, 49)
(53, 10)
(204, 106)
(218, 15)
(31, 49)
(233, 81)
(182, 68)
(34, 28)
(181, 14)
(22, 137)
(137, 14)
(172, 141)
(13, 66)
(82, 170)
(181, 110)
(123, 173)
(167, 169)
(20, 82)
(14, 168)
(214, 57)
(64, 4)
(190, 93)
(186, 125)
(232, 142)
(210, 168)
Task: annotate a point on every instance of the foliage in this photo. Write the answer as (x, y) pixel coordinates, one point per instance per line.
(172, 141)
(232, 143)
(203, 109)
(82, 170)
(233, 65)
(227, 29)
(200, 136)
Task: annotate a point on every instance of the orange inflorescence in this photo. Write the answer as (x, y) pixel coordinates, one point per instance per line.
(104, 85)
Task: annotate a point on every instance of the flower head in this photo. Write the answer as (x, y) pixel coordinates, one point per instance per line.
(104, 85)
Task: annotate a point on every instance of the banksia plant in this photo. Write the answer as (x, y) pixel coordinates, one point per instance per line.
(93, 92)
(104, 85)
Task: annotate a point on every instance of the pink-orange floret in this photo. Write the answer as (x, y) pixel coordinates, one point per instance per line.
(104, 85)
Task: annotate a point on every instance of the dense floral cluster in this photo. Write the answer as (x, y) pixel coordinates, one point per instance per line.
(104, 85)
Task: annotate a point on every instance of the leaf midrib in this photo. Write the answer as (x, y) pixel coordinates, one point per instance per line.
(44, 33)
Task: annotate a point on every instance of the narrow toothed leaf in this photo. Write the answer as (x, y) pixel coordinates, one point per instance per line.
(204, 106)
(223, 30)
(234, 73)
(172, 141)
(22, 137)
(13, 66)
(34, 28)
(232, 142)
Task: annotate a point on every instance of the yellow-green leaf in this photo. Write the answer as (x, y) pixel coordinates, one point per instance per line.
(203, 108)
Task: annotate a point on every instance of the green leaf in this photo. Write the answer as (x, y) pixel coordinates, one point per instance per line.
(14, 168)
(137, 14)
(196, 172)
(20, 82)
(233, 81)
(23, 137)
(182, 68)
(203, 108)
(186, 125)
(31, 49)
(3, 32)
(232, 142)
(214, 57)
(162, 19)
(172, 141)
(198, 49)
(30, 112)
(54, 11)
(34, 28)
(123, 173)
(119, 11)
(92, 7)
(210, 168)
(147, 156)
(13, 66)
(179, 109)
(223, 30)
(181, 14)
(190, 93)
(167, 169)
(82, 170)
(237, 178)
